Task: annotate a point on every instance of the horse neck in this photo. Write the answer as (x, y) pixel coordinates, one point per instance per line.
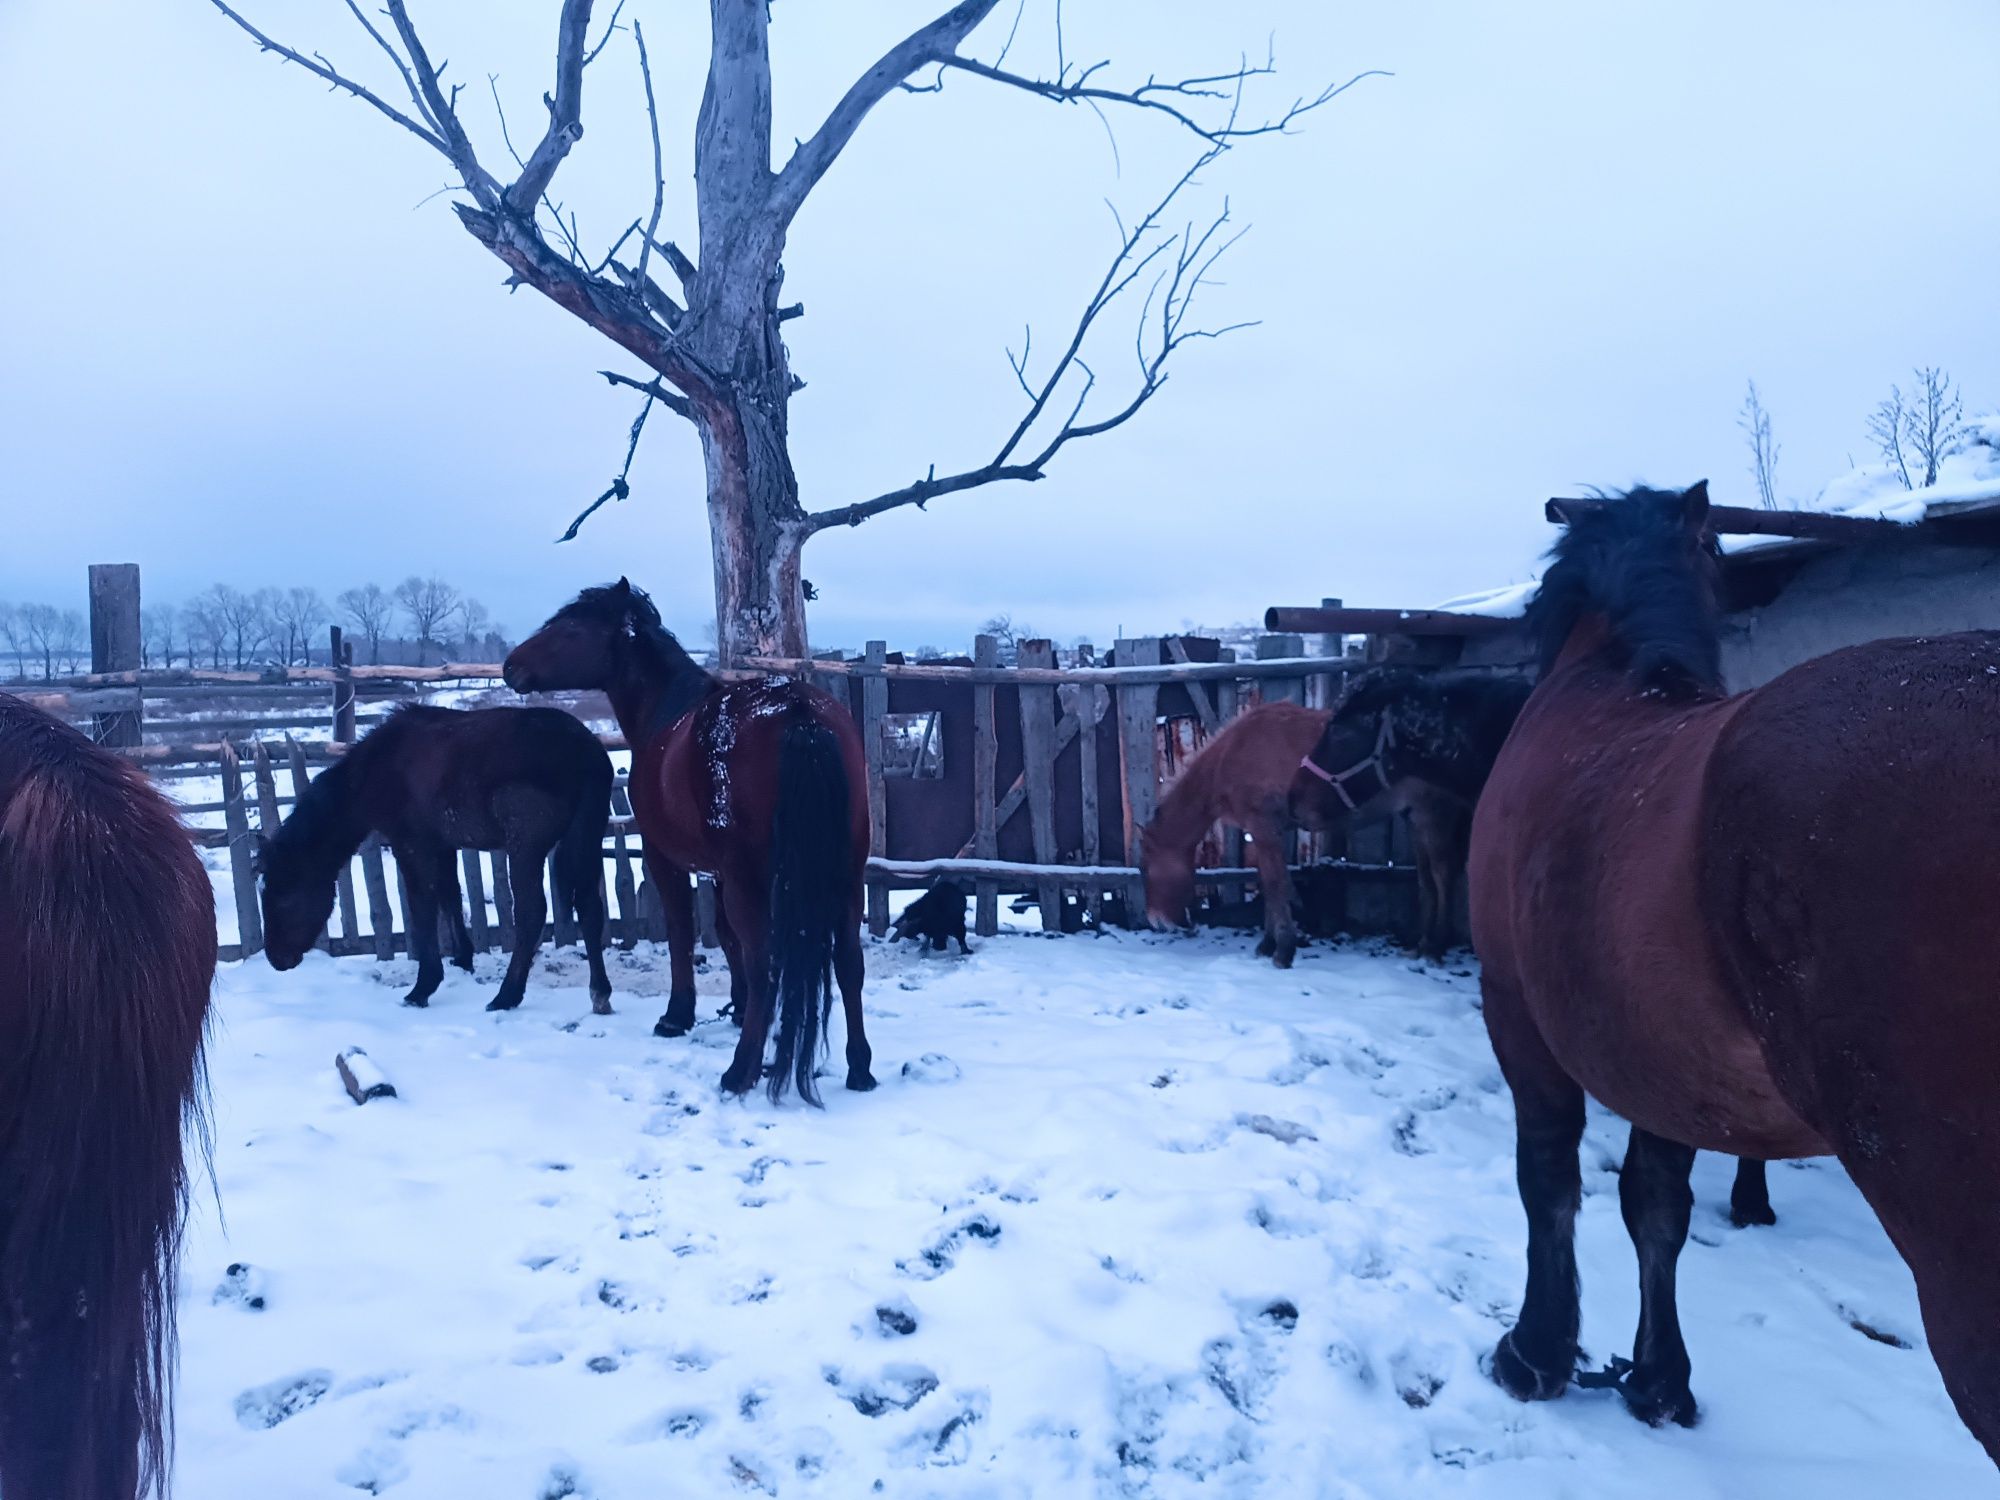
(654, 686)
(330, 816)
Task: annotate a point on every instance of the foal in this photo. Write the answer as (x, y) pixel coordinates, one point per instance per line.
(433, 781)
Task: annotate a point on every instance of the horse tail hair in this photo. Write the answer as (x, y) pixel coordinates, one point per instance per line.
(811, 858)
(108, 921)
(581, 848)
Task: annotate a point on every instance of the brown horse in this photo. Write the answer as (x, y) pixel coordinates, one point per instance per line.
(432, 781)
(759, 783)
(1759, 924)
(107, 954)
(1241, 777)
(1432, 739)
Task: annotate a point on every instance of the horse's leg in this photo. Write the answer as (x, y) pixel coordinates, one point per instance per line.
(749, 916)
(1267, 853)
(1425, 837)
(525, 861)
(57, 1437)
(451, 903)
(420, 922)
(732, 953)
(590, 917)
(848, 970)
(1750, 1195)
(1535, 1359)
(677, 904)
(1654, 1196)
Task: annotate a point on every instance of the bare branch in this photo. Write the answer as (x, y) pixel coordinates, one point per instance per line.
(656, 299)
(320, 68)
(457, 145)
(673, 401)
(936, 42)
(395, 57)
(610, 30)
(565, 110)
(659, 170)
(567, 231)
(619, 488)
(1171, 292)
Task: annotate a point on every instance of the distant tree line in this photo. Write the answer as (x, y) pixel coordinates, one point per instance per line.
(418, 622)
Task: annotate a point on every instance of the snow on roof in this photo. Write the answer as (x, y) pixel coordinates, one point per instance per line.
(1967, 480)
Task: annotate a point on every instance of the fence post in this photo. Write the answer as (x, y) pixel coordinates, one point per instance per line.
(1227, 700)
(1086, 759)
(114, 645)
(1138, 753)
(475, 900)
(874, 710)
(622, 883)
(340, 656)
(985, 768)
(1038, 772)
(242, 855)
(267, 788)
(503, 901)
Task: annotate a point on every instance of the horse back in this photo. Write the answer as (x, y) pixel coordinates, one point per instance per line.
(1586, 912)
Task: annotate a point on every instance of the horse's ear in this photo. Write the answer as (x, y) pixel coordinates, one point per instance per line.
(1694, 506)
(624, 585)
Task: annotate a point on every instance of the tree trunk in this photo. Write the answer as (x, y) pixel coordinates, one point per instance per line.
(755, 524)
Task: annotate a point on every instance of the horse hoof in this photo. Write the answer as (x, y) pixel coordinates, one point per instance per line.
(1266, 948)
(463, 963)
(740, 1080)
(1283, 957)
(1751, 1215)
(417, 1002)
(1521, 1380)
(1657, 1405)
(600, 1005)
(669, 1029)
(499, 1002)
(860, 1080)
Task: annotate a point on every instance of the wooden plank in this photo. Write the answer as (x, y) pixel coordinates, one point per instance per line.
(1017, 794)
(503, 901)
(1087, 718)
(115, 642)
(1204, 709)
(622, 880)
(473, 873)
(1279, 689)
(1038, 767)
(985, 771)
(1315, 621)
(361, 1078)
(1138, 755)
(1201, 671)
(381, 916)
(341, 654)
(1022, 877)
(267, 789)
(874, 713)
(1228, 703)
(242, 856)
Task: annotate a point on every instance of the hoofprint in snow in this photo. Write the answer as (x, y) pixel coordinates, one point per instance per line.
(1129, 1215)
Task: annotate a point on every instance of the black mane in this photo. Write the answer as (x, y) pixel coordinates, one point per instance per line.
(617, 605)
(1646, 562)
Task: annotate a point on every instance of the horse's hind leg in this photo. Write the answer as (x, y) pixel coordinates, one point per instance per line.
(1535, 1359)
(1750, 1195)
(848, 970)
(749, 919)
(589, 889)
(677, 906)
(1274, 878)
(531, 909)
(420, 923)
(1654, 1196)
(451, 906)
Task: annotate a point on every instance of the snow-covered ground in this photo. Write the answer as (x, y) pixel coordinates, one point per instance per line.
(1130, 1215)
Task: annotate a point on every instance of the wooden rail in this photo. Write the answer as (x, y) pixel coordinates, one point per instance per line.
(1427, 622)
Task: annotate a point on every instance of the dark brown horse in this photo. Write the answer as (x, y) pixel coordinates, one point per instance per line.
(1240, 777)
(1431, 739)
(432, 781)
(760, 783)
(107, 954)
(1759, 924)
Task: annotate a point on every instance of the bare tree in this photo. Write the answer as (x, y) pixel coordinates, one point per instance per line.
(369, 609)
(300, 613)
(1932, 425)
(10, 632)
(1885, 427)
(41, 624)
(202, 624)
(239, 624)
(471, 621)
(158, 626)
(428, 604)
(713, 353)
(71, 639)
(1755, 423)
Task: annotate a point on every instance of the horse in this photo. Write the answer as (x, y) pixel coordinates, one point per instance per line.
(1429, 741)
(935, 918)
(1759, 923)
(760, 783)
(107, 924)
(1240, 776)
(432, 781)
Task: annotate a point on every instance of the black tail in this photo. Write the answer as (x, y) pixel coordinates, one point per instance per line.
(811, 851)
(579, 854)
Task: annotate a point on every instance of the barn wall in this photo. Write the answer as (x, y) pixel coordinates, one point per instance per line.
(1862, 594)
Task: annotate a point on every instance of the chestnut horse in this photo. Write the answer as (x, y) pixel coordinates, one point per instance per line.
(1432, 738)
(107, 954)
(1758, 924)
(760, 783)
(1240, 777)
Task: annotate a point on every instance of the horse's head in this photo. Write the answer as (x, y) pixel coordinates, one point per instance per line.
(1168, 872)
(584, 643)
(1643, 566)
(297, 901)
(1343, 770)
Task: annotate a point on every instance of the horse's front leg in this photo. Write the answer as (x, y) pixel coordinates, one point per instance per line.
(525, 861)
(1654, 1195)
(749, 921)
(1535, 1359)
(420, 922)
(1274, 879)
(1750, 1195)
(677, 904)
(849, 968)
(451, 907)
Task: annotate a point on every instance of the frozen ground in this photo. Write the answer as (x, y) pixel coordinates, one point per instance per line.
(1128, 1216)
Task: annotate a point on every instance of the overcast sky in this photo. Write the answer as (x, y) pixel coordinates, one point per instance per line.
(1547, 252)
